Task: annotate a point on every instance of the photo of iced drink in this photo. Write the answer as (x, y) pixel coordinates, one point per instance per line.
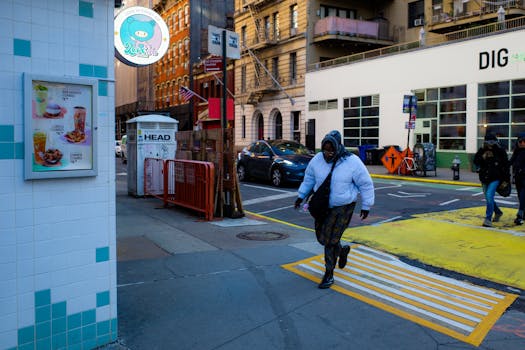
(40, 99)
(80, 119)
(39, 146)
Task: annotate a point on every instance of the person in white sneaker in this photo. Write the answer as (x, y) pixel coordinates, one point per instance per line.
(493, 165)
(517, 161)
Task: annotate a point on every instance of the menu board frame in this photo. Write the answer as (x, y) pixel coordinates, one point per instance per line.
(60, 127)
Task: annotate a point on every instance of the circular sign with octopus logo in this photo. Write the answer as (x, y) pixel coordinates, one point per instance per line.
(141, 36)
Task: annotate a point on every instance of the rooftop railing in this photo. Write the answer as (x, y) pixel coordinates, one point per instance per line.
(431, 40)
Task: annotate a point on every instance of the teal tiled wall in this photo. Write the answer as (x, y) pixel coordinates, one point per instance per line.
(55, 329)
(8, 148)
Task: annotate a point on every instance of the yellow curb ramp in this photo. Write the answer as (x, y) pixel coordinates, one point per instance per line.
(454, 240)
(459, 309)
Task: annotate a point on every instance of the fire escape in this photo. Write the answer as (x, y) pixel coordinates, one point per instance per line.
(266, 36)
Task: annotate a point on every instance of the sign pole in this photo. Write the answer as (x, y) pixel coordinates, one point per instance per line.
(409, 120)
(224, 120)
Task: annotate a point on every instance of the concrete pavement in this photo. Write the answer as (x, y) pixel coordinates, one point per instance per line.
(184, 283)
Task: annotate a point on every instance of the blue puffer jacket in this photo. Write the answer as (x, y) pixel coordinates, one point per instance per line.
(349, 178)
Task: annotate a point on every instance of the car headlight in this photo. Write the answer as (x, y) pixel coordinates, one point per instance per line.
(288, 163)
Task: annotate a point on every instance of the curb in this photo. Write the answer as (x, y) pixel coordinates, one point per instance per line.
(416, 179)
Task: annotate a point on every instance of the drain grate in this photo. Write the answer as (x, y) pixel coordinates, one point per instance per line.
(262, 236)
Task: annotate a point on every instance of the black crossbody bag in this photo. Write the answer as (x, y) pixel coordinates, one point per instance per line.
(318, 205)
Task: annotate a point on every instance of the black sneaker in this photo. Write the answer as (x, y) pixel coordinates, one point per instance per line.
(343, 256)
(328, 280)
(518, 221)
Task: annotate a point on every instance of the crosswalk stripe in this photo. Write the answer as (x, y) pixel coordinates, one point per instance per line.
(456, 308)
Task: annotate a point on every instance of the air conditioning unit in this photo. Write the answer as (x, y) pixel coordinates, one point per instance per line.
(418, 22)
(293, 31)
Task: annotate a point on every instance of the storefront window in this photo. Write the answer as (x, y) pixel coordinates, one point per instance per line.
(452, 117)
(501, 111)
(361, 121)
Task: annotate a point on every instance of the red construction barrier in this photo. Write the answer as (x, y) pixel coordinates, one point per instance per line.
(188, 183)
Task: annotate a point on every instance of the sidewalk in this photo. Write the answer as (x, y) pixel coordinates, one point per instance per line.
(185, 283)
(442, 175)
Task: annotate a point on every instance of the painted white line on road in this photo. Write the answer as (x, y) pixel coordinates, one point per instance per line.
(385, 187)
(477, 194)
(270, 198)
(387, 220)
(408, 195)
(448, 202)
(467, 188)
(504, 202)
(266, 188)
(277, 209)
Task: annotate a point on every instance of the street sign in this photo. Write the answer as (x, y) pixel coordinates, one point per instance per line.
(213, 64)
(410, 125)
(233, 49)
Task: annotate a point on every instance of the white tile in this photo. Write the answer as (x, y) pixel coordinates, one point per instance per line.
(7, 201)
(51, 263)
(81, 303)
(6, 45)
(81, 257)
(7, 237)
(26, 301)
(43, 281)
(56, 6)
(6, 10)
(7, 255)
(9, 339)
(22, 13)
(26, 285)
(8, 306)
(7, 220)
(8, 320)
(39, 65)
(24, 201)
(103, 313)
(24, 235)
(7, 63)
(25, 268)
(24, 251)
(40, 16)
(26, 318)
(23, 217)
(22, 64)
(40, 49)
(7, 287)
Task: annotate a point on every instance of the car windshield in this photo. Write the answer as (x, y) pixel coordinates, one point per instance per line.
(286, 148)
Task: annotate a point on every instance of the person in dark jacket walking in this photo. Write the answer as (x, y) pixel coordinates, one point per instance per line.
(493, 166)
(517, 161)
(350, 178)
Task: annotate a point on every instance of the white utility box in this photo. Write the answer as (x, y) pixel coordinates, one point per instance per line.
(149, 136)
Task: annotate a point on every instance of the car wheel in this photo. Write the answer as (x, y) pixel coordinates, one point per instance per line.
(241, 172)
(277, 177)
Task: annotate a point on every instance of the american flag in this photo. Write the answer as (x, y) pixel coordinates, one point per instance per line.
(186, 93)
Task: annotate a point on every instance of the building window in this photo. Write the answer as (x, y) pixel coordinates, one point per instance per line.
(296, 129)
(294, 24)
(243, 78)
(275, 68)
(243, 37)
(452, 117)
(293, 68)
(278, 126)
(325, 11)
(267, 27)
(275, 23)
(501, 110)
(360, 120)
(416, 13)
(186, 15)
(243, 126)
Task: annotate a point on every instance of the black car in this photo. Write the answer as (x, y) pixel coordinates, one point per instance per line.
(276, 160)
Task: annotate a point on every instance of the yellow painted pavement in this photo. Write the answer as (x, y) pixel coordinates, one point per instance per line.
(454, 240)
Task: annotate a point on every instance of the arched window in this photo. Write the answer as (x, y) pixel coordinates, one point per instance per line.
(278, 126)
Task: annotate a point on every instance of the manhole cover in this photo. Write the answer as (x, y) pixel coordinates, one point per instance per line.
(262, 236)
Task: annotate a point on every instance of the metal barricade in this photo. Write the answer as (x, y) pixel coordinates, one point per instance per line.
(190, 183)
